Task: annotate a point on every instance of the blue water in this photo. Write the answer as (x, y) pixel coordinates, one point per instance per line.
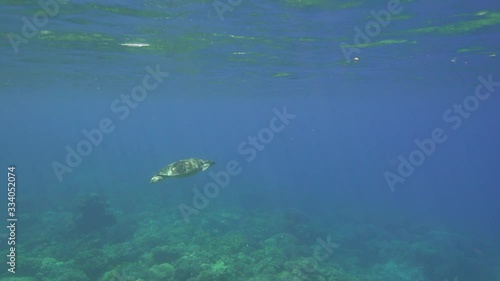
(340, 165)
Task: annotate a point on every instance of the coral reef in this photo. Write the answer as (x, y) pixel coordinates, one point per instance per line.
(93, 214)
(253, 246)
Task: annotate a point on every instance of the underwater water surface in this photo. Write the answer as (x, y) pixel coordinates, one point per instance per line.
(329, 140)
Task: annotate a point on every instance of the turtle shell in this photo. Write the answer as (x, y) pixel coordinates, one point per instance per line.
(182, 168)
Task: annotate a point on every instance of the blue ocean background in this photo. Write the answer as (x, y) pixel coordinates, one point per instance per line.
(314, 203)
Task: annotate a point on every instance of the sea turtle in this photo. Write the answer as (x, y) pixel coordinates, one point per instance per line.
(182, 168)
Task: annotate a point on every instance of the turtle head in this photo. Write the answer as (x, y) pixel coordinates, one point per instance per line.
(206, 164)
(155, 179)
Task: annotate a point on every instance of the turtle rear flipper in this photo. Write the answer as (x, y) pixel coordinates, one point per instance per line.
(207, 165)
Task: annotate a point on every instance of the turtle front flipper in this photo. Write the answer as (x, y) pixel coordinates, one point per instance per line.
(155, 179)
